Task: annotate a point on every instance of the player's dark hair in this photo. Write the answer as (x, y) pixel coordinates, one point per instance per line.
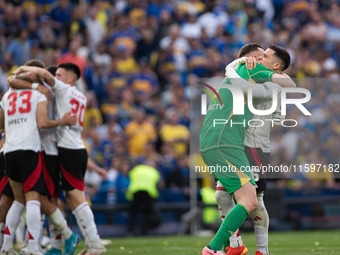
(248, 48)
(35, 62)
(282, 54)
(52, 69)
(71, 68)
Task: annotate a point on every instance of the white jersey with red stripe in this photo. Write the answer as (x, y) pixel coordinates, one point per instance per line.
(69, 98)
(48, 135)
(258, 136)
(20, 108)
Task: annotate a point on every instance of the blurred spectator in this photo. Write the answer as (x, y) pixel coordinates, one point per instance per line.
(115, 78)
(73, 54)
(96, 78)
(77, 24)
(191, 29)
(92, 110)
(151, 154)
(126, 63)
(109, 129)
(197, 59)
(333, 33)
(165, 23)
(123, 180)
(177, 45)
(61, 16)
(109, 106)
(139, 132)
(47, 37)
(95, 29)
(144, 83)
(101, 57)
(147, 44)
(18, 51)
(175, 134)
(178, 178)
(13, 20)
(124, 35)
(210, 21)
(316, 30)
(127, 107)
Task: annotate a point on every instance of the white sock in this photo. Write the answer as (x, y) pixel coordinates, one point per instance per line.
(20, 231)
(85, 220)
(2, 232)
(60, 223)
(261, 224)
(83, 232)
(55, 236)
(225, 204)
(235, 239)
(33, 219)
(41, 228)
(12, 221)
(224, 201)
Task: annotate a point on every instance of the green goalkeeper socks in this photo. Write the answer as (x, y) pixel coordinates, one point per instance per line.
(231, 223)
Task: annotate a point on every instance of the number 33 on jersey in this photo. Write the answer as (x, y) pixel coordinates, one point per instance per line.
(20, 108)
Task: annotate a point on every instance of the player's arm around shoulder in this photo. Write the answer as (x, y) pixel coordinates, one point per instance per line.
(44, 122)
(16, 82)
(283, 80)
(258, 90)
(26, 76)
(40, 72)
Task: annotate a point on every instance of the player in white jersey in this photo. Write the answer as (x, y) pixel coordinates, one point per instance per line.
(256, 139)
(72, 152)
(24, 111)
(51, 172)
(23, 161)
(52, 179)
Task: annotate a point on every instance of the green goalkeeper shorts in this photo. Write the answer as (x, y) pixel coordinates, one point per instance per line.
(230, 166)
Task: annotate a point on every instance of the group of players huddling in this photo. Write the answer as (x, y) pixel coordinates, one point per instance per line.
(239, 148)
(42, 116)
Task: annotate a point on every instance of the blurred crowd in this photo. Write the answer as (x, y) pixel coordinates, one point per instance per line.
(138, 58)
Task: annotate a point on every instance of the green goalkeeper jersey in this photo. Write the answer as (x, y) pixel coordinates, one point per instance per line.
(225, 135)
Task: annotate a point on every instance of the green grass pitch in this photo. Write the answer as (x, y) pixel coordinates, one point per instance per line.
(280, 243)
